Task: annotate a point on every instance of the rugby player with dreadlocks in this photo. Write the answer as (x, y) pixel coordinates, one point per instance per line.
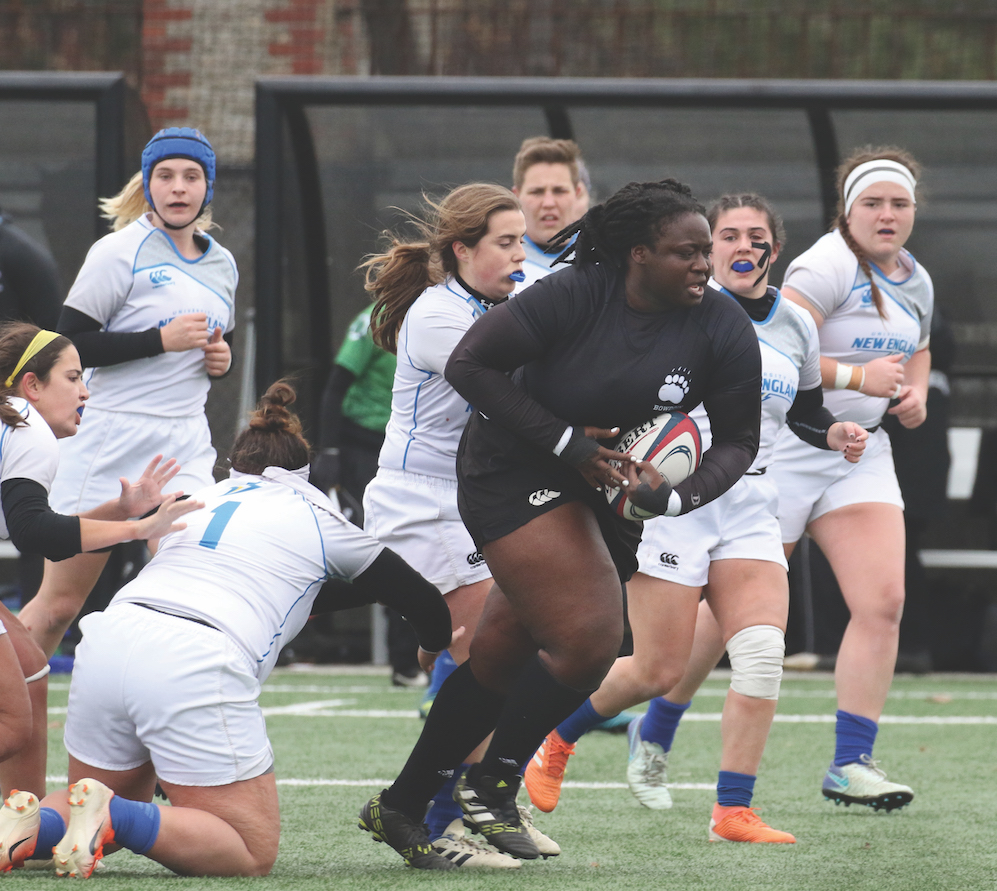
(631, 330)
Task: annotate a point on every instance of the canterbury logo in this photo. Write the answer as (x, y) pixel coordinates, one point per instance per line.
(475, 559)
(160, 277)
(669, 559)
(543, 496)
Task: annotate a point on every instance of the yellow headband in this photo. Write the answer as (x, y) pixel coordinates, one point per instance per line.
(41, 340)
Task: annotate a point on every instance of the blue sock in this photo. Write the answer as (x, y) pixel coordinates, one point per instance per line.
(441, 671)
(50, 833)
(444, 810)
(854, 737)
(661, 721)
(576, 725)
(136, 823)
(734, 789)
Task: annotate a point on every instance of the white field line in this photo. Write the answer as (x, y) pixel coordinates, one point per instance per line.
(936, 696)
(330, 708)
(568, 784)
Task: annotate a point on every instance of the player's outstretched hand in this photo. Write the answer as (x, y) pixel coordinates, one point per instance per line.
(217, 355)
(142, 496)
(647, 488)
(165, 520)
(427, 660)
(884, 377)
(848, 438)
(912, 409)
(188, 332)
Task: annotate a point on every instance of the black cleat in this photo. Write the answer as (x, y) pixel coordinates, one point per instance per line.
(489, 805)
(405, 835)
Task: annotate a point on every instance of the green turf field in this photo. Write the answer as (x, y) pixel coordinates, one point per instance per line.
(339, 737)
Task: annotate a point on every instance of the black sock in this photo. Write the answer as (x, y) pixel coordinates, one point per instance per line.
(536, 705)
(463, 714)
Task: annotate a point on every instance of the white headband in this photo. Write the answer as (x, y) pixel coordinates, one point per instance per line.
(879, 171)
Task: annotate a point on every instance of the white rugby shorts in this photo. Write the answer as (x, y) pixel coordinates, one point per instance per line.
(147, 686)
(739, 525)
(417, 517)
(113, 444)
(813, 482)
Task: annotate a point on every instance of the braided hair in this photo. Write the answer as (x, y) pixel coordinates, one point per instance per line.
(860, 156)
(636, 214)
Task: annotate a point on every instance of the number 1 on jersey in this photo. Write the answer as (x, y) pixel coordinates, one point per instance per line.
(213, 532)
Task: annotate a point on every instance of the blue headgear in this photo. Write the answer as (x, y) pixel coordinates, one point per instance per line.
(179, 142)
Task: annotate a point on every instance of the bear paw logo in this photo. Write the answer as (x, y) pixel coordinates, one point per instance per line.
(675, 388)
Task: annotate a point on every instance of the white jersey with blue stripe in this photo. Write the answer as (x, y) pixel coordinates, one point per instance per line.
(427, 415)
(828, 275)
(252, 560)
(135, 279)
(30, 452)
(787, 340)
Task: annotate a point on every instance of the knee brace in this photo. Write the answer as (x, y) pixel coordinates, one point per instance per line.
(756, 655)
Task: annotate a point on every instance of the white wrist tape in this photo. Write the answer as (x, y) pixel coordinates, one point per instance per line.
(842, 376)
(756, 655)
(563, 441)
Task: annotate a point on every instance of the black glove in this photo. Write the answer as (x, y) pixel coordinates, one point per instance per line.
(653, 500)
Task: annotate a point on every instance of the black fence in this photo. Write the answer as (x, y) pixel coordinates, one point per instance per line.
(62, 144)
(336, 158)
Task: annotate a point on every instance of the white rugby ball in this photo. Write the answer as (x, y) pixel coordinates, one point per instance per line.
(671, 442)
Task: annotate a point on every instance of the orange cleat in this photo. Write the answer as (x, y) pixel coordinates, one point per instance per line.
(742, 824)
(545, 772)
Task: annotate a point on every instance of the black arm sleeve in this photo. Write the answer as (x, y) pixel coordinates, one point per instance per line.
(735, 420)
(478, 368)
(331, 419)
(33, 526)
(391, 581)
(107, 347)
(809, 419)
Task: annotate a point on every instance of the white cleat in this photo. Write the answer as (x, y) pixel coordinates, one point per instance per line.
(19, 823)
(88, 831)
(546, 845)
(647, 770)
(862, 782)
(463, 851)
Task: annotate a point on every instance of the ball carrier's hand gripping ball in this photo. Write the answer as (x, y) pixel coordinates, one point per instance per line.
(179, 142)
(671, 442)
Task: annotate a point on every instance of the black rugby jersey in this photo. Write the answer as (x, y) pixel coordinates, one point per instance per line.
(588, 359)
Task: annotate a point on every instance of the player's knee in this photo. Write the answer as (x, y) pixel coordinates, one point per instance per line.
(756, 655)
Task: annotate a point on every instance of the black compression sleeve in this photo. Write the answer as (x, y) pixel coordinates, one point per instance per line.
(33, 526)
(391, 581)
(494, 345)
(734, 422)
(809, 419)
(331, 418)
(107, 347)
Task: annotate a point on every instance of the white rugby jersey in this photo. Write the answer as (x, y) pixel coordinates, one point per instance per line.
(252, 560)
(427, 415)
(829, 276)
(787, 340)
(27, 453)
(135, 279)
(536, 265)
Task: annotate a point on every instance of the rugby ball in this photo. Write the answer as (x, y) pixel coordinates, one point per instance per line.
(671, 442)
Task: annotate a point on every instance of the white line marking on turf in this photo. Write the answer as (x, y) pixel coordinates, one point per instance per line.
(568, 784)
